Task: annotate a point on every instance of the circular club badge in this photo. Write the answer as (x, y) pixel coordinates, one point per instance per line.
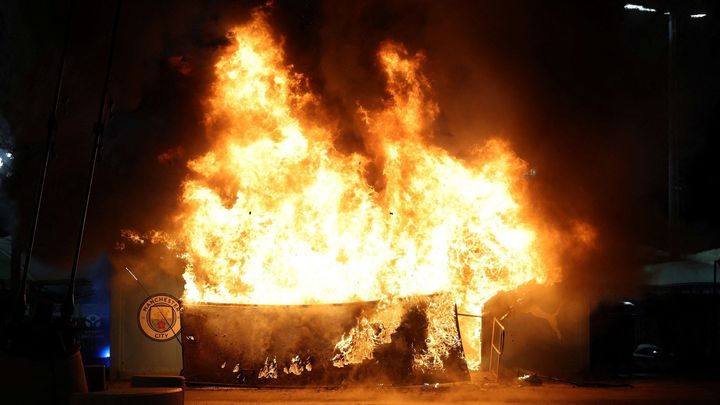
(159, 317)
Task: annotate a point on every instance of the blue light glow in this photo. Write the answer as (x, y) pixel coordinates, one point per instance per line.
(105, 352)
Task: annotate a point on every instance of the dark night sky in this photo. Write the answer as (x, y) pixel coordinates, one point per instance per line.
(579, 88)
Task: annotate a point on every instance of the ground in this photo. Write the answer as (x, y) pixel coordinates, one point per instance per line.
(643, 392)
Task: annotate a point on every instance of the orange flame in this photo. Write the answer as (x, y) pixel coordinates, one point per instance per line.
(274, 214)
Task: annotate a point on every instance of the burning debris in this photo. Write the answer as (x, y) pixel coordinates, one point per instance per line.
(297, 344)
(269, 370)
(297, 366)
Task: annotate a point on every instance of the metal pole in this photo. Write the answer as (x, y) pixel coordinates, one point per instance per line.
(98, 129)
(673, 170)
(714, 318)
(21, 302)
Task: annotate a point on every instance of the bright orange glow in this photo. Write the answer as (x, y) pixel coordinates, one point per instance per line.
(274, 214)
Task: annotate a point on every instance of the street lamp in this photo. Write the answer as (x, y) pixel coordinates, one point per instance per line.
(673, 169)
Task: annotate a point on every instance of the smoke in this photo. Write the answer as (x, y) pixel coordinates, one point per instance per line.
(500, 71)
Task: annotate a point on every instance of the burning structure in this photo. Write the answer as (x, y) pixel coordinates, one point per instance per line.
(326, 232)
(273, 214)
(281, 345)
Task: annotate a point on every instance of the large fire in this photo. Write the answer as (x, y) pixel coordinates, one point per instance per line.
(273, 213)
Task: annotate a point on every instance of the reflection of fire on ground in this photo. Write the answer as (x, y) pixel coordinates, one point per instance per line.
(274, 214)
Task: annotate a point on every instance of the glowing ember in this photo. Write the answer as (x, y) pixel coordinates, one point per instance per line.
(269, 370)
(274, 214)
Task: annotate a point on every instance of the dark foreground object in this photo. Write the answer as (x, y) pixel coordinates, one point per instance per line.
(41, 379)
(267, 345)
(131, 396)
(95, 377)
(167, 381)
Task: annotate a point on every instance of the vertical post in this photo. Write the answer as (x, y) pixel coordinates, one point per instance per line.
(457, 327)
(714, 316)
(672, 163)
(69, 305)
(21, 301)
(492, 348)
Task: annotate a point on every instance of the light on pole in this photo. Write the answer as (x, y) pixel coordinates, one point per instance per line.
(639, 8)
(672, 165)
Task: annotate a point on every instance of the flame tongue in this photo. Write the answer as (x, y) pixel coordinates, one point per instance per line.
(274, 214)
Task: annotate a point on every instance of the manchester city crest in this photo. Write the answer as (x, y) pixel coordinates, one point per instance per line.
(159, 317)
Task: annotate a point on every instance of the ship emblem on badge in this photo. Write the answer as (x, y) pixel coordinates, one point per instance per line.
(159, 317)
